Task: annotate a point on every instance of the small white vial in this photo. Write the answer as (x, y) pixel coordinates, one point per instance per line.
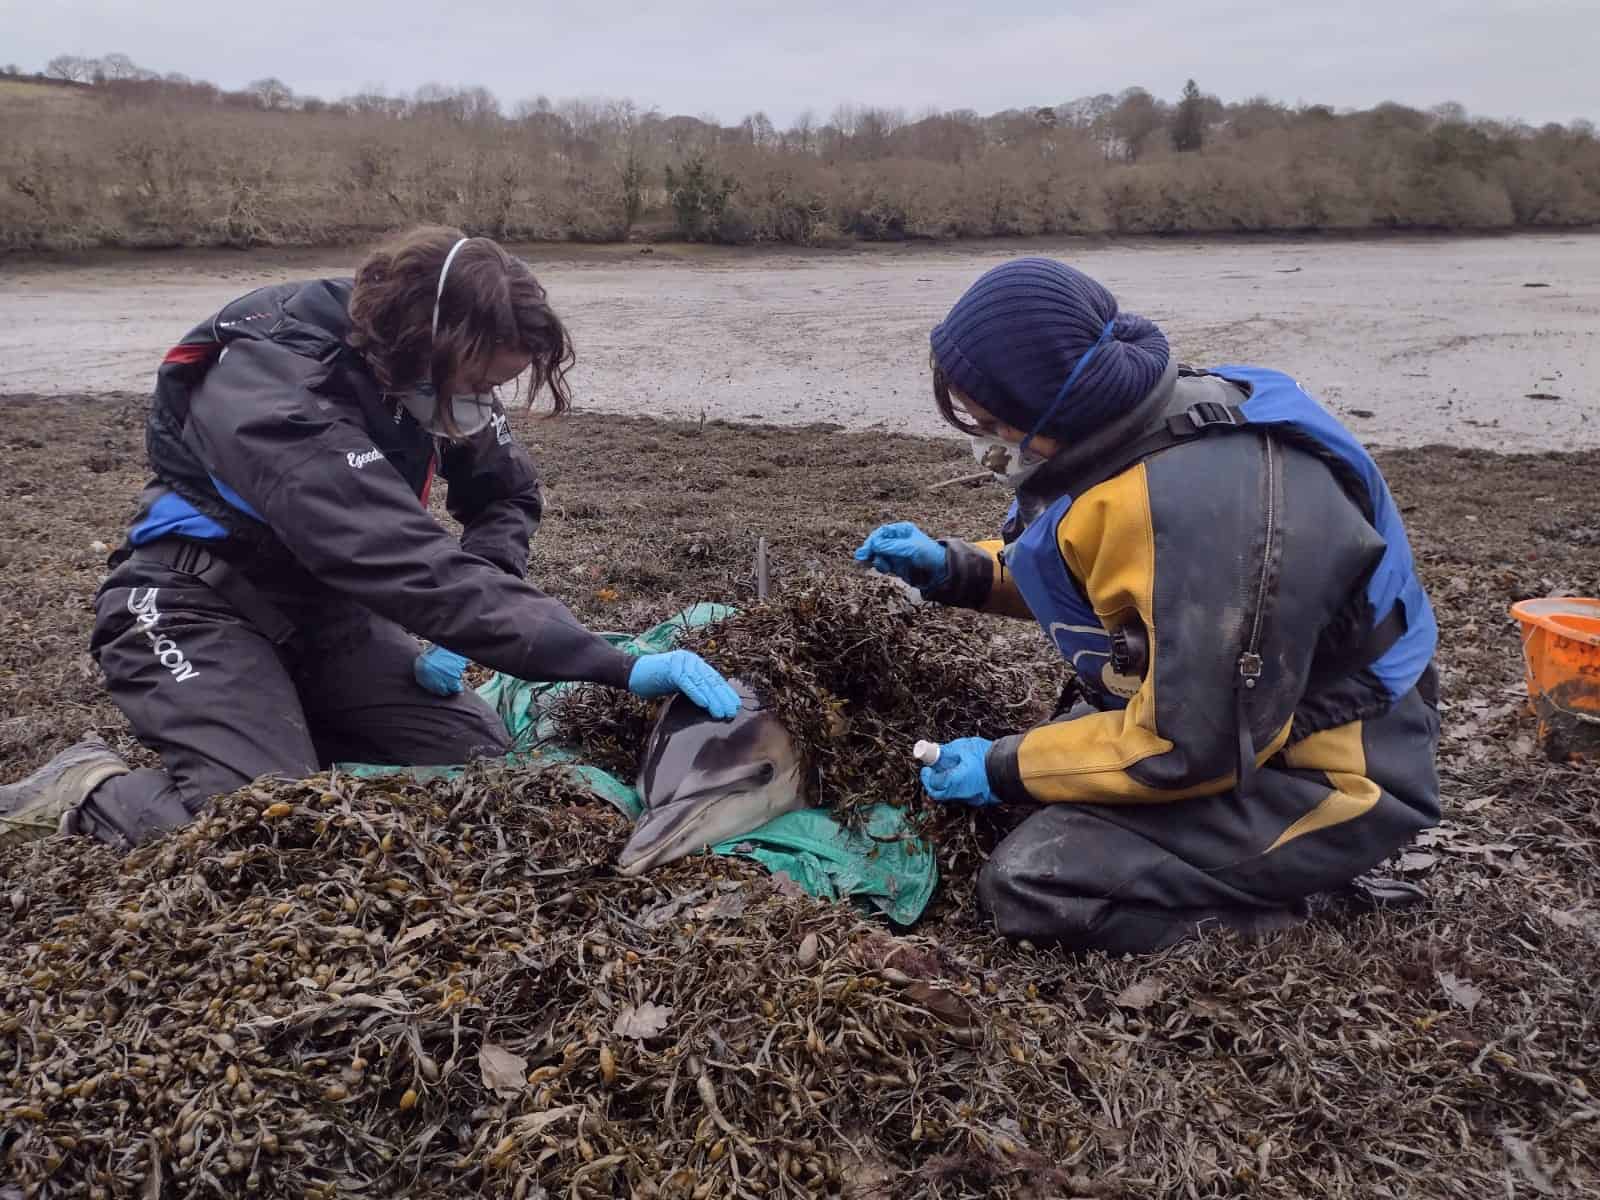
(926, 753)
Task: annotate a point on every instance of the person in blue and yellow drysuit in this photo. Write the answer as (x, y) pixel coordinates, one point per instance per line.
(1252, 718)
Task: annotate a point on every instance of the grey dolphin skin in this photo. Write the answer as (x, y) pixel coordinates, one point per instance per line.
(704, 781)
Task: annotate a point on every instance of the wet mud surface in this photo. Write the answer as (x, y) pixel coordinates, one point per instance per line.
(1485, 342)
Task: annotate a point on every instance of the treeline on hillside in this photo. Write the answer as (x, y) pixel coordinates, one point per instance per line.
(101, 152)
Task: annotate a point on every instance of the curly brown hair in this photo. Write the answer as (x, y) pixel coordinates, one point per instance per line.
(491, 302)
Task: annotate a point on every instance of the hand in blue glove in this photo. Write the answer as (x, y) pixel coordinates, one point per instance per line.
(439, 670)
(903, 550)
(960, 775)
(682, 671)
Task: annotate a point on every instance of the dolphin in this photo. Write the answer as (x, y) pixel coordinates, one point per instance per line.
(704, 781)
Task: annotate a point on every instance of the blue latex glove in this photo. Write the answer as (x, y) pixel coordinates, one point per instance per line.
(903, 550)
(960, 775)
(439, 670)
(686, 672)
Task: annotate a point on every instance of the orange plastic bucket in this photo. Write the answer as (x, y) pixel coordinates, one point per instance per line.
(1561, 659)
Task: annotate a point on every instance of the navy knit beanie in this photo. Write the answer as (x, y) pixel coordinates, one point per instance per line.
(1012, 341)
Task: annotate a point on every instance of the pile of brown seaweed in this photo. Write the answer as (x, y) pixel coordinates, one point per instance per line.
(334, 988)
(347, 988)
(856, 673)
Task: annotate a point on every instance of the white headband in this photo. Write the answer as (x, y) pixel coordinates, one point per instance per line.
(444, 271)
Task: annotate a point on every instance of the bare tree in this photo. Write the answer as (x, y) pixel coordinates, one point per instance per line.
(585, 116)
(1256, 116)
(873, 129)
(951, 137)
(802, 134)
(622, 120)
(479, 104)
(758, 131)
(70, 67)
(684, 136)
(115, 68)
(271, 92)
(476, 104)
(438, 100)
(1390, 116)
(1137, 116)
(371, 101)
(1086, 111)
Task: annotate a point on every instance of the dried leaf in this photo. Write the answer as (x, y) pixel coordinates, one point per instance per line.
(1484, 848)
(878, 951)
(1210, 1010)
(504, 1073)
(783, 883)
(658, 916)
(417, 933)
(1418, 860)
(941, 1002)
(807, 954)
(536, 1122)
(1462, 994)
(724, 908)
(1521, 1155)
(643, 1021)
(919, 964)
(1141, 995)
(868, 1179)
(1563, 920)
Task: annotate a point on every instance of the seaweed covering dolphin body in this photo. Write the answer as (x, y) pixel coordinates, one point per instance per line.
(704, 781)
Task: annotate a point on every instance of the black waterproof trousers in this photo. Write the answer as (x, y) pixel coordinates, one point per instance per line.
(223, 704)
(1132, 878)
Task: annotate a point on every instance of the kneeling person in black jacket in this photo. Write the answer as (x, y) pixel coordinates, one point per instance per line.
(256, 619)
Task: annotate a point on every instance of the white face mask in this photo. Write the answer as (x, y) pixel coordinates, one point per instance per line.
(471, 411)
(1007, 461)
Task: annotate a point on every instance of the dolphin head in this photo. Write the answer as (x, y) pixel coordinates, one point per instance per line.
(704, 781)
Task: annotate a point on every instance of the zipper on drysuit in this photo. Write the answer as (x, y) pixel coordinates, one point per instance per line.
(1249, 665)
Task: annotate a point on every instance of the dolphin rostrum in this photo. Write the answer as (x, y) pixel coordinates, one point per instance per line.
(704, 781)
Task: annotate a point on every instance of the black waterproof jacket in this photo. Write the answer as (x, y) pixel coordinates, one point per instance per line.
(309, 479)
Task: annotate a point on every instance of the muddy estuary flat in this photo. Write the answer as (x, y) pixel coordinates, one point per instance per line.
(1483, 342)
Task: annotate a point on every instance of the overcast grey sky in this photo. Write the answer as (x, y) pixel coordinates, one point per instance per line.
(1533, 59)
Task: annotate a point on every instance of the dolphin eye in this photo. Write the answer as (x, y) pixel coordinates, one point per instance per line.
(766, 773)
